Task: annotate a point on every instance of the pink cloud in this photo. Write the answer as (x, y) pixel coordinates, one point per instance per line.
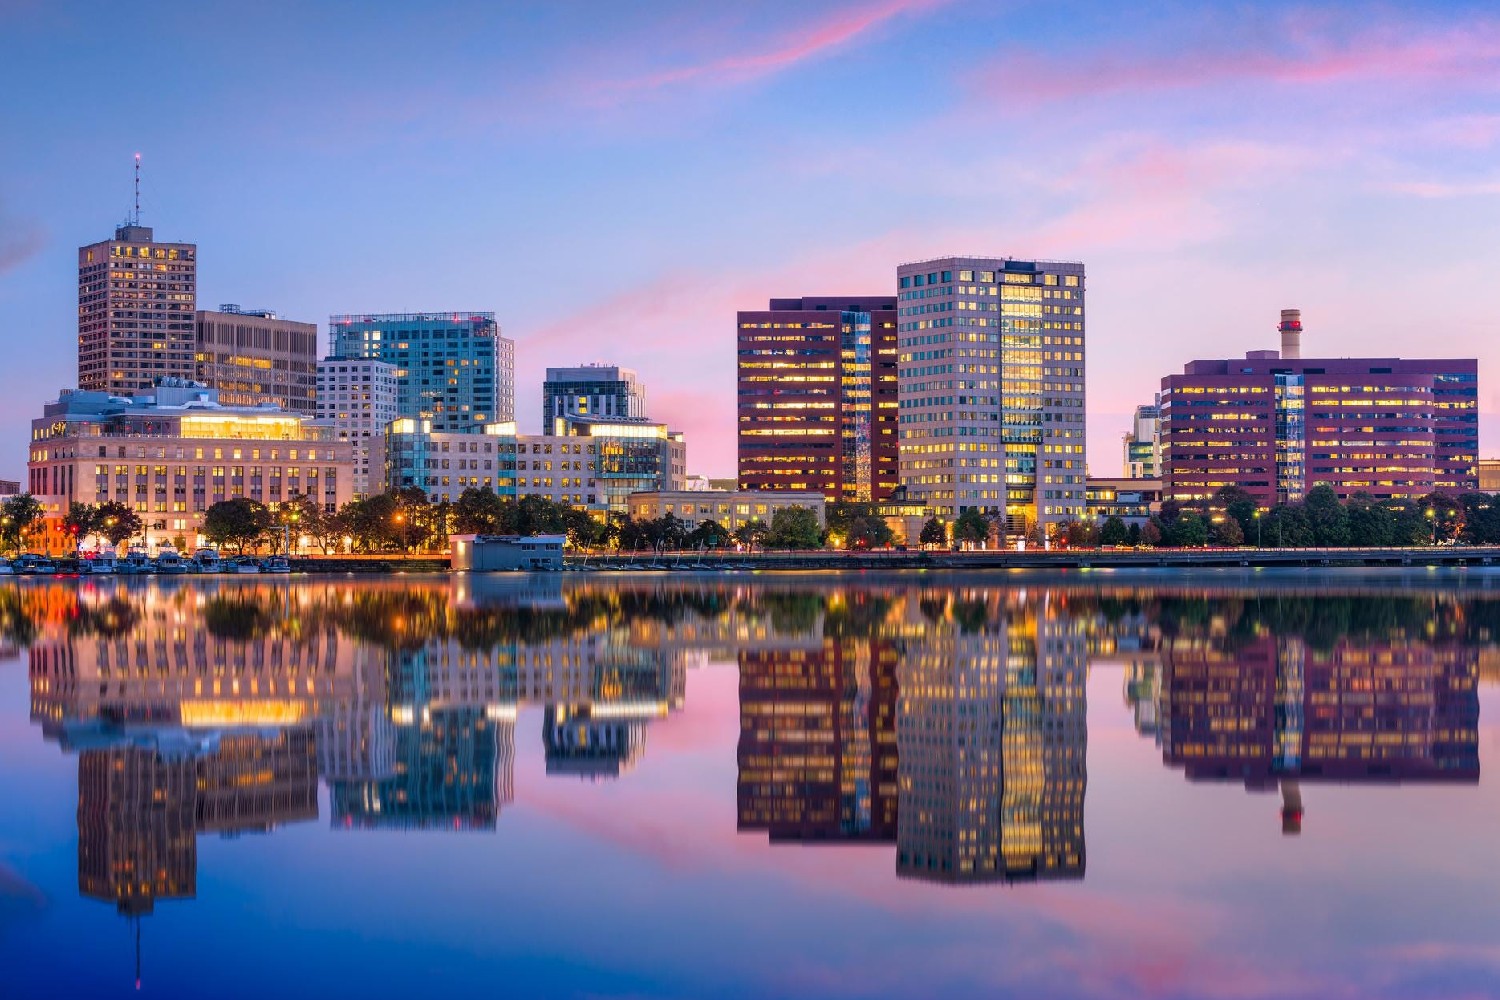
(1297, 54)
(1445, 189)
(834, 32)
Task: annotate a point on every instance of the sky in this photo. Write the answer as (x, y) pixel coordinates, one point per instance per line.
(614, 181)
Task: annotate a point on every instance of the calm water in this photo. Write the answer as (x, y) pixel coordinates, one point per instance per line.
(915, 785)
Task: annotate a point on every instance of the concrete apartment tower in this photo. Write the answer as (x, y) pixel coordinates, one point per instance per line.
(136, 304)
(359, 397)
(991, 386)
(254, 358)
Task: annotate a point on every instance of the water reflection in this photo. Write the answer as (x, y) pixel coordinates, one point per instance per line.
(943, 722)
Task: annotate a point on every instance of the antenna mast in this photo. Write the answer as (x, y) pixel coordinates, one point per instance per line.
(137, 220)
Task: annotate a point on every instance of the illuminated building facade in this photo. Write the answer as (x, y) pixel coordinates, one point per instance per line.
(817, 397)
(596, 466)
(1489, 475)
(991, 377)
(358, 397)
(1143, 443)
(255, 358)
(730, 509)
(444, 464)
(453, 369)
(598, 392)
(173, 452)
(1278, 425)
(136, 304)
(1131, 500)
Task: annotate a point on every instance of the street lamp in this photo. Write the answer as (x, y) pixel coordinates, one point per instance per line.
(1257, 528)
(1432, 519)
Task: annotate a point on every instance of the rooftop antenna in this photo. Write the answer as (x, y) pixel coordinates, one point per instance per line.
(137, 220)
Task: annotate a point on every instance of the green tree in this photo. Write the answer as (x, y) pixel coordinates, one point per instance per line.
(933, 533)
(708, 535)
(1238, 504)
(1079, 534)
(752, 533)
(17, 517)
(1287, 526)
(1114, 531)
(1226, 531)
(869, 531)
(80, 521)
(1189, 531)
(238, 522)
(1371, 524)
(478, 512)
(1133, 535)
(972, 528)
(1328, 517)
(1444, 516)
(117, 522)
(795, 528)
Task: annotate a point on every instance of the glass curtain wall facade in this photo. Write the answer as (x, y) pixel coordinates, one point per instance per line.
(454, 369)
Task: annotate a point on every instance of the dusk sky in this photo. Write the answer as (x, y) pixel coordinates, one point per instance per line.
(615, 180)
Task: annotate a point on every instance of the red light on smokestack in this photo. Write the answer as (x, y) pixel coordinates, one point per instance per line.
(1291, 333)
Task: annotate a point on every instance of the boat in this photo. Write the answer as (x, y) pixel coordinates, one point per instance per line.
(241, 564)
(136, 561)
(168, 561)
(6, 569)
(276, 564)
(99, 564)
(208, 561)
(30, 565)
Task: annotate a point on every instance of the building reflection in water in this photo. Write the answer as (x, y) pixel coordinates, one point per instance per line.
(953, 725)
(944, 722)
(1276, 702)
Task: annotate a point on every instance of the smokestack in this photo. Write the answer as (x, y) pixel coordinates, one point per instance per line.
(1291, 333)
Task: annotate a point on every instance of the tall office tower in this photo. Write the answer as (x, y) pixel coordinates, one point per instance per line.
(991, 377)
(254, 357)
(817, 397)
(1143, 443)
(454, 369)
(1277, 424)
(598, 392)
(359, 396)
(136, 300)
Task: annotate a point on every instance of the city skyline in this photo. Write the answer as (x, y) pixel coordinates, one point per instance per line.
(1310, 195)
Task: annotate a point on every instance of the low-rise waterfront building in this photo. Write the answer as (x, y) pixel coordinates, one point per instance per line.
(730, 509)
(1131, 500)
(1489, 475)
(171, 453)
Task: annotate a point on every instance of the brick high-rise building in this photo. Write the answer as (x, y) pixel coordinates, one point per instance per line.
(136, 304)
(254, 357)
(817, 397)
(1277, 424)
(992, 389)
